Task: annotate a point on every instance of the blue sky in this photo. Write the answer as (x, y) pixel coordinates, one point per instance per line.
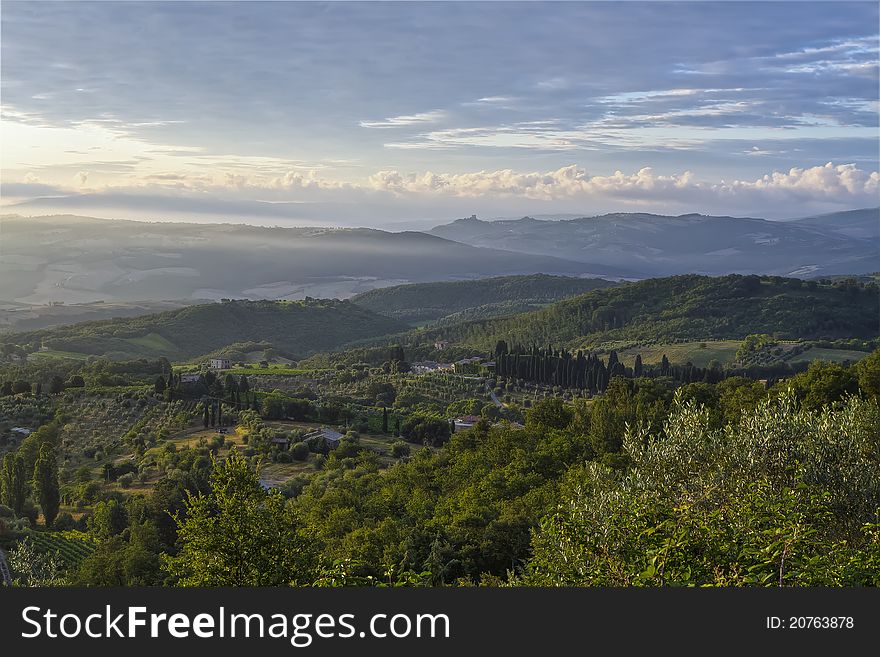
(375, 114)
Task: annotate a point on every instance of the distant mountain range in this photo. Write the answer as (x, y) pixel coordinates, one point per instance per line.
(656, 245)
(81, 260)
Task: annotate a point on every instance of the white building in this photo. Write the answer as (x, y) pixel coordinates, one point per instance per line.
(219, 364)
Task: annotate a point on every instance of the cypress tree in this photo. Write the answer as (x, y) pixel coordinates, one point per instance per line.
(7, 479)
(384, 419)
(638, 368)
(46, 483)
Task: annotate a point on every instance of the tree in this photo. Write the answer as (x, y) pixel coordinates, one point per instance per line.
(6, 390)
(56, 385)
(664, 366)
(46, 483)
(108, 519)
(239, 535)
(20, 386)
(36, 568)
(868, 372)
(638, 368)
(14, 482)
(384, 419)
(7, 479)
(159, 386)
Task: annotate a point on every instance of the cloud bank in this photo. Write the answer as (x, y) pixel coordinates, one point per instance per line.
(394, 195)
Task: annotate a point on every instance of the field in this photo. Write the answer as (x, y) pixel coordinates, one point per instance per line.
(831, 355)
(723, 351)
(155, 342)
(71, 546)
(52, 353)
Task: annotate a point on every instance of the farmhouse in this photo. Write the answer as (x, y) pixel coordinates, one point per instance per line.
(332, 437)
(465, 422)
(441, 344)
(22, 431)
(219, 364)
(467, 365)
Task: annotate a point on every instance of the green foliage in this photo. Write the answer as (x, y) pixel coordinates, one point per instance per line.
(681, 308)
(194, 331)
(426, 430)
(14, 482)
(488, 297)
(786, 496)
(45, 483)
(32, 567)
(239, 535)
(822, 383)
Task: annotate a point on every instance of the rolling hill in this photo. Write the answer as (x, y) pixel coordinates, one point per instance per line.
(488, 297)
(840, 243)
(292, 328)
(683, 308)
(83, 260)
(859, 224)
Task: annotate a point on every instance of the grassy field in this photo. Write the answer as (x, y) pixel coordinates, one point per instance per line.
(272, 370)
(155, 342)
(831, 355)
(51, 353)
(723, 351)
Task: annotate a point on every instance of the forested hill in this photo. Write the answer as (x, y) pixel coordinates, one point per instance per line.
(687, 308)
(293, 328)
(488, 297)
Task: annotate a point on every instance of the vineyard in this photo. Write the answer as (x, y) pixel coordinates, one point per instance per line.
(71, 546)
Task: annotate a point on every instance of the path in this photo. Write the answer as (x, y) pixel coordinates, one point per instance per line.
(495, 399)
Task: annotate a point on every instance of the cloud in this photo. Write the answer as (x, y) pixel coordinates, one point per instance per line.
(412, 119)
(390, 195)
(843, 184)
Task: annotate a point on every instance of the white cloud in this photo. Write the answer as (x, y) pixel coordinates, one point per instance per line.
(411, 119)
(840, 184)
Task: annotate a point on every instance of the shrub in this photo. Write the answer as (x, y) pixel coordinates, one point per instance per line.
(300, 451)
(399, 449)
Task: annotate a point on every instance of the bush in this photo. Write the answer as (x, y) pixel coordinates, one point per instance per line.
(126, 480)
(64, 522)
(399, 449)
(300, 451)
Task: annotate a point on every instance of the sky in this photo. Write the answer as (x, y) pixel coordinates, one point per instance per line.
(399, 115)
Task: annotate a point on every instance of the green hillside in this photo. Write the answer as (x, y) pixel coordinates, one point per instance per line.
(684, 308)
(292, 328)
(488, 297)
